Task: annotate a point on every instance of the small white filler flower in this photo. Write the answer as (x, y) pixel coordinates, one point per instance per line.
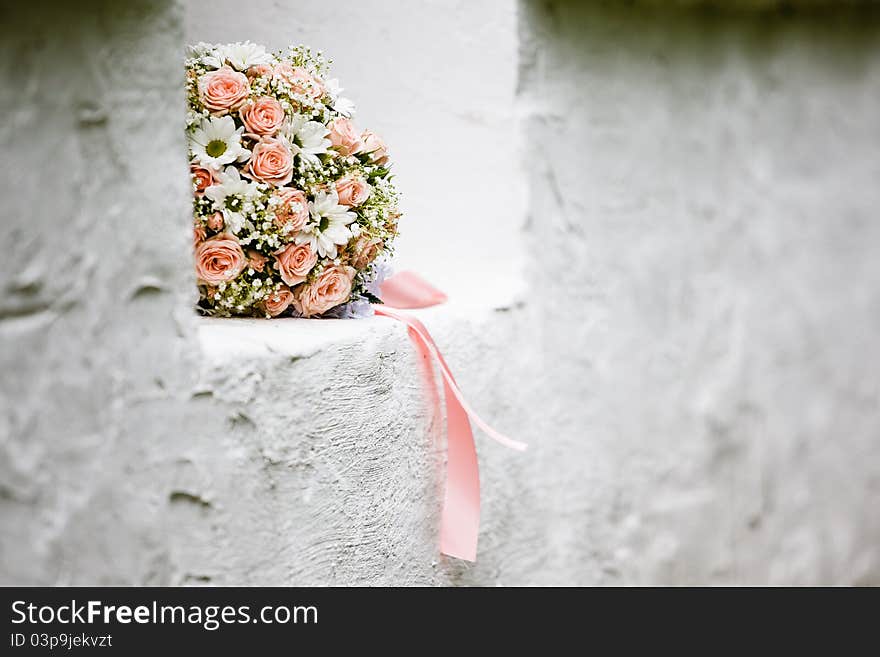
(207, 54)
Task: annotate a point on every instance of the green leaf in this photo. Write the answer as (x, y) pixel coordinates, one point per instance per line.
(372, 298)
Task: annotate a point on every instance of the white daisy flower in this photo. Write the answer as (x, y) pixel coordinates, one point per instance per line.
(241, 56)
(328, 226)
(342, 105)
(216, 142)
(307, 137)
(233, 196)
(206, 53)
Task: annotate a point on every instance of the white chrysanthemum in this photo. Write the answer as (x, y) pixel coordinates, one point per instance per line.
(216, 142)
(339, 103)
(233, 196)
(207, 54)
(328, 225)
(241, 56)
(307, 137)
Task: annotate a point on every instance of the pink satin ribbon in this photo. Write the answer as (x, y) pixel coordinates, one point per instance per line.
(460, 518)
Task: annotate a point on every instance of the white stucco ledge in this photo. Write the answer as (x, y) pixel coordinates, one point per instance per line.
(315, 457)
(229, 339)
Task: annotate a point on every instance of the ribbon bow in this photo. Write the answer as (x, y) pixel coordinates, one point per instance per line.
(460, 518)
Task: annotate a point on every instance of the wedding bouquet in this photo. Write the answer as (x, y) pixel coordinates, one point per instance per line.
(294, 207)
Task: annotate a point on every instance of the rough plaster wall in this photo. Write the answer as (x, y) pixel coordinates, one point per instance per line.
(96, 262)
(706, 187)
(437, 79)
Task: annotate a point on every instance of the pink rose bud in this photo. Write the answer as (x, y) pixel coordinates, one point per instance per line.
(352, 191)
(259, 71)
(278, 301)
(216, 222)
(292, 211)
(375, 146)
(256, 260)
(366, 249)
(344, 137)
(202, 178)
(300, 80)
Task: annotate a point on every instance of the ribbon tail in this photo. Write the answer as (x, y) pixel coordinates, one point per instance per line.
(460, 516)
(460, 520)
(415, 325)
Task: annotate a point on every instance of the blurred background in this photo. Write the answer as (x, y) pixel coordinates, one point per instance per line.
(657, 223)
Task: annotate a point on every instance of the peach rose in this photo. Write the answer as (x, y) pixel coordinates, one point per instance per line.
(344, 136)
(271, 162)
(219, 259)
(332, 287)
(223, 90)
(202, 178)
(264, 116)
(366, 249)
(300, 80)
(375, 146)
(216, 221)
(256, 260)
(278, 301)
(352, 191)
(294, 262)
(292, 210)
(259, 71)
(199, 233)
(391, 221)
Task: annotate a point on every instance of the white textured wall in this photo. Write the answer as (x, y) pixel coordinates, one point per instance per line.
(96, 353)
(691, 361)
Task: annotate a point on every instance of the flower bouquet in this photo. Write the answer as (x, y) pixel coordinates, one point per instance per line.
(294, 213)
(294, 207)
